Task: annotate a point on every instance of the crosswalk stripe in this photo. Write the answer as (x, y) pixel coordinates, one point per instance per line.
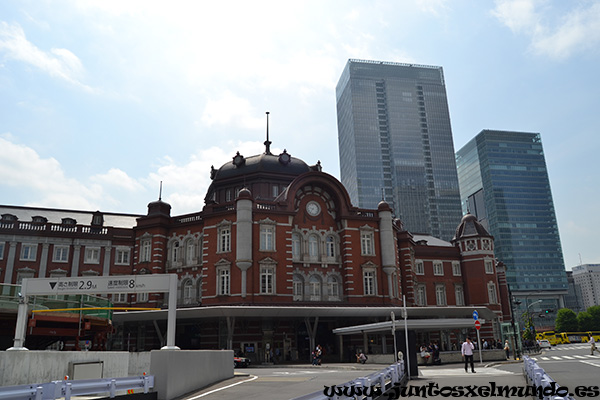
(568, 357)
(578, 356)
(556, 358)
(545, 358)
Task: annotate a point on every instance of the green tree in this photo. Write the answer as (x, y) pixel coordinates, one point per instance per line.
(585, 321)
(529, 329)
(594, 311)
(566, 321)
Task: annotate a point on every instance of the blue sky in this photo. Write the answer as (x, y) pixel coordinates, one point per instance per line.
(101, 100)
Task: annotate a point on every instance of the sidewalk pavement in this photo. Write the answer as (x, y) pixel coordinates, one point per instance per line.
(433, 378)
(485, 382)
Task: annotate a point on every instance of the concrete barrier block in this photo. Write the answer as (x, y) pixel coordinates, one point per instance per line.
(178, 372)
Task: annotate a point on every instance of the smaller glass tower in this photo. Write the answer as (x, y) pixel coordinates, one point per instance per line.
(504, 182)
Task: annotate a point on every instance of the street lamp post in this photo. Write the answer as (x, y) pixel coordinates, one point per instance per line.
(513, 301)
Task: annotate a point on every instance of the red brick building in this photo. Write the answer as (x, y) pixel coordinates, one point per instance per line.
(277, 258)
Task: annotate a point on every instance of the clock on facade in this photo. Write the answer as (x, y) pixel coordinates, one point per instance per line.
(313, 208)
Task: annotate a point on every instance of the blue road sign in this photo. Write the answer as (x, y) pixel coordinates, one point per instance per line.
(475, 315)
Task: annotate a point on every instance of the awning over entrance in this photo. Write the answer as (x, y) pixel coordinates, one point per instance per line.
(421, 324)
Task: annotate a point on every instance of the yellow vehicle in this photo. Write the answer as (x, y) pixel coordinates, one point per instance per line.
(550, 336)
(577, 337)
(586, 336)
(563, 338)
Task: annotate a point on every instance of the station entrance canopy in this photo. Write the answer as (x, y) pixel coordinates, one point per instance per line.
(435, 315)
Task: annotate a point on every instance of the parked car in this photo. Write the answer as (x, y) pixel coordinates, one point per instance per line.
(240, 362)
(545, 344)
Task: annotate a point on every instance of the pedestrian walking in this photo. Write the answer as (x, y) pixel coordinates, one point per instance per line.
(507, 349)
(593, 345)
(467, 353)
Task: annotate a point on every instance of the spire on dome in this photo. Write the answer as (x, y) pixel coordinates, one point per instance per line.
(267, 142)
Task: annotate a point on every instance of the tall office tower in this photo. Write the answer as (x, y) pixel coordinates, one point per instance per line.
(504, 182)
(395, 141)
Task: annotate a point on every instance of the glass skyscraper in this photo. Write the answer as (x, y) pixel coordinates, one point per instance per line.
(395, 142)
(504, 182)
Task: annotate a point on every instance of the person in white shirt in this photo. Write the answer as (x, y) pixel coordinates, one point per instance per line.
(467, 353)
(593, 345)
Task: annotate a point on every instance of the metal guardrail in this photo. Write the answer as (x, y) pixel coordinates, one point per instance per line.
(65, 388)
(538, 377)
(382, 380)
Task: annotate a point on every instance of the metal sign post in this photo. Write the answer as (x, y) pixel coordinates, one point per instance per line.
(97, 285)
(394, 336)
(407, 355)
(477, 326)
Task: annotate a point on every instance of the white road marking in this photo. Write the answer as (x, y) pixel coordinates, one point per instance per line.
(222, 388)
(436, 372)
(591, 363)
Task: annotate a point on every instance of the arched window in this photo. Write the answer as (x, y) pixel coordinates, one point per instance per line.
(175, 252)
(493, 298)
(190, 252)
(313, 246)
(460, 295)
(330, 246)
(296, 246)
(333, 288)
(298, 287)
(188, 292)
(421, 295)
(145, 252)
(440, 295)
(315, 288)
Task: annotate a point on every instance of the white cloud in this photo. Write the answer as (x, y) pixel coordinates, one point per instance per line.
(518, 15)
(573, 32)
(435, 7)
(117, 178)
(579, 31)
(58, 63)
(22, 167)
(185, 185)
(232, 110)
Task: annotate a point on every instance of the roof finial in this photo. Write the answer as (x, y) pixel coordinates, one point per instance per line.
(160, 192)
(267, 142)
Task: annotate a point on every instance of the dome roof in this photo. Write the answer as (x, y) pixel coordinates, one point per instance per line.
(470, 227)
(283, 164)
(383, 206)
(266, 175)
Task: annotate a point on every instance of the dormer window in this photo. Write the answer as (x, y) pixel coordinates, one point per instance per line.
(238, 160)
(38, 220)
(68, 222)
(284, 158)
(9, 218)
(97, 219)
